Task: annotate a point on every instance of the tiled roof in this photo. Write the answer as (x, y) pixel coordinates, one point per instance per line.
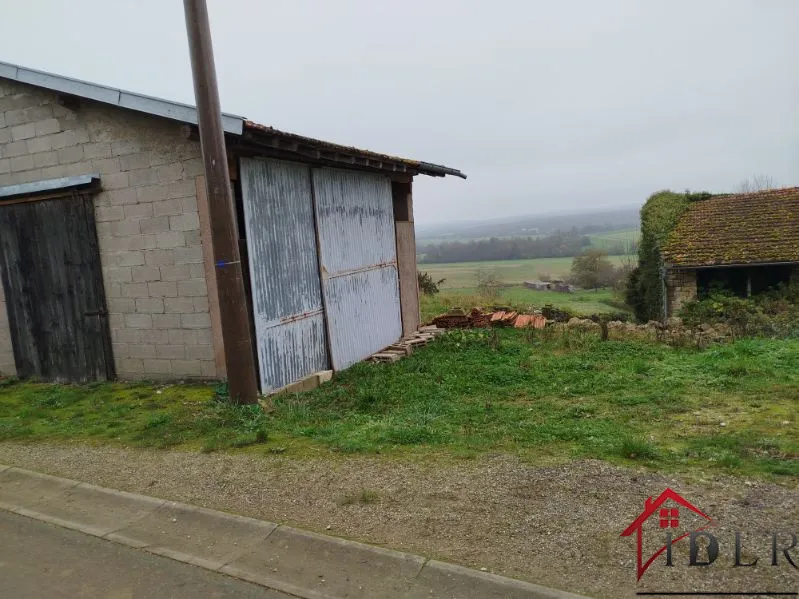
(744, 228)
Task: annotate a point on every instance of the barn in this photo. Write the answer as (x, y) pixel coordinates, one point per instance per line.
(105, 242)
(743, 243)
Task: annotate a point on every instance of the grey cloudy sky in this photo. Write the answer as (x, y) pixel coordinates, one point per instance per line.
(548, 106)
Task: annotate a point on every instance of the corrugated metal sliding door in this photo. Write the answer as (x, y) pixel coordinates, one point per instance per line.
(359, 263)
(284, 271)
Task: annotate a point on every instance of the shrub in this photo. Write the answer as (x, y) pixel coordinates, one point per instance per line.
(488, 283)
(771, 314)
(659, 216)
(426, 283)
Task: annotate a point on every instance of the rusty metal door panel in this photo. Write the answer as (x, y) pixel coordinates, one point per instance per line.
(284, 271)
(358, 253)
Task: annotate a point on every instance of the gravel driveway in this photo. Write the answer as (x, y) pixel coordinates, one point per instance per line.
(558, 526)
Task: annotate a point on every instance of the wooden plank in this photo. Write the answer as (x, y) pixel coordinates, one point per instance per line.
(386, 357)
(406, 256)
(405, 349)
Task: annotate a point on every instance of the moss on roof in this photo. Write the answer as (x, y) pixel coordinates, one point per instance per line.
(737, 229)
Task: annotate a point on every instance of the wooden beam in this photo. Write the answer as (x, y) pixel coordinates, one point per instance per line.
(406, 256)
(236, 329)
(210, 277)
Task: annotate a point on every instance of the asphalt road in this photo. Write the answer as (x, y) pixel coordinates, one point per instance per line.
(42, 561)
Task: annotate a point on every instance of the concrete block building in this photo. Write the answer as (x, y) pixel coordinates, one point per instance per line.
(744, 243)
(105, 243)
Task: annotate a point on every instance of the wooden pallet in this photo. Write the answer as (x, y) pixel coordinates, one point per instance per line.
(406, 345)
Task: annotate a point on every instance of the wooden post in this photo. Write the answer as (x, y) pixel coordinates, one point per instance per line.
(401, 192)
(239, 358)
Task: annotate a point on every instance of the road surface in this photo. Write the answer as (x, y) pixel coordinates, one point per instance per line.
(42, 561)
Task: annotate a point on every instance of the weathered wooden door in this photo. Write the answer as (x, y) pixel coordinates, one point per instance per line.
(284, 271)
(53, 285)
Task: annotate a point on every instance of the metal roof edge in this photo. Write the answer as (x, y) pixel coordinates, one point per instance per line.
(186, 113)
(438, 170)
(48, 185)
(108, 95)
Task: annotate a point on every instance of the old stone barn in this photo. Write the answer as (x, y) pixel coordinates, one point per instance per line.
(105, 244)
(744, 243)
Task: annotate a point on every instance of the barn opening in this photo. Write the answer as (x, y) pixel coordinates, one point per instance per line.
(743, 281)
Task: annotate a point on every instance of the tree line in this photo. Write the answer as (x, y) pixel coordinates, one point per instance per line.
(556, 245)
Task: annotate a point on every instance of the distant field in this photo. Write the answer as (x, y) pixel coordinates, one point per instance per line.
(627, 236)
(597, 239)
(460, 275)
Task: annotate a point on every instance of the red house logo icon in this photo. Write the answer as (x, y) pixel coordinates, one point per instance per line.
(668, 518)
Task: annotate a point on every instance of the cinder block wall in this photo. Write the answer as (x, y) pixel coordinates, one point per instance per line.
(680, 288)
(147, 222)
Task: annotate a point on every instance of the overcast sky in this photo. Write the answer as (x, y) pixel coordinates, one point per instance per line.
(547, 106)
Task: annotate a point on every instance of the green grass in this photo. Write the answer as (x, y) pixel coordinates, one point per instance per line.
(542, 395)
(134, 414)
(612, 238)
(462, 275)
(584, 303)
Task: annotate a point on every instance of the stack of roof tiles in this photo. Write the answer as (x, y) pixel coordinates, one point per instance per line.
(457, 318)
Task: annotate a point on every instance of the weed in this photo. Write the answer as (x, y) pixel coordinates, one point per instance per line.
(363, 497)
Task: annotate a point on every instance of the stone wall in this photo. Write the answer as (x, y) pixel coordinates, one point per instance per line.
(680, 288)
(147, 222)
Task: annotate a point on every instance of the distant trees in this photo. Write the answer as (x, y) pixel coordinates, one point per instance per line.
(592, 269)
(557, 245)
(756, 183)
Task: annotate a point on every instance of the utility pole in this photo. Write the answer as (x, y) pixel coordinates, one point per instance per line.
(239, 358)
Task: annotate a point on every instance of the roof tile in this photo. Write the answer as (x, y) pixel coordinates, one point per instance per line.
(745, 228)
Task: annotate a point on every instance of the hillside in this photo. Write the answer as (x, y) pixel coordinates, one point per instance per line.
(530, 225)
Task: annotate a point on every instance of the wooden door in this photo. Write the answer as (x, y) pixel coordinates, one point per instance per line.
(53, 284)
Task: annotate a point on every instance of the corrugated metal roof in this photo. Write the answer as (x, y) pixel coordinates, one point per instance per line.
(110, 95)
(232, 124)
(746, 228)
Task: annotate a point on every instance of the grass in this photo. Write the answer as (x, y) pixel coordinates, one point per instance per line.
(732, 407)
(539, 395)
(462, 275)
(612, 238)
(135, 414)
(581, 302)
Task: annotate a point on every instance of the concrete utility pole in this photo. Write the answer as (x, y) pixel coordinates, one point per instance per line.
(239, 357)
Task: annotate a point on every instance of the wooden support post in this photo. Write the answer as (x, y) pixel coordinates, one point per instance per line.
(239, 358)
(401, 192)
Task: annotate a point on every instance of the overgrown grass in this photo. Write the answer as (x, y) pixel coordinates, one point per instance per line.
(732, 407)
(541, 395)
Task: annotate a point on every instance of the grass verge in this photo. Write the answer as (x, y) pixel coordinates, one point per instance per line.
(543, 396)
